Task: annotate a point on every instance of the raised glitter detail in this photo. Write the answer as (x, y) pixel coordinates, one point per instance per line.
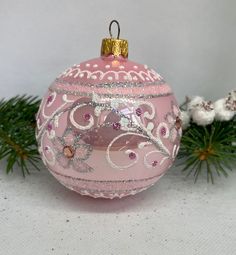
(82, 94)
(116, 125)
(163, 131)
(75, 71)
(49, 127)
(87, 116)
(154, 163)
(178, 123)
(106, 181)
(49, 100)
(138, 112)
(68, 151)
(125, 84)
(132, 155)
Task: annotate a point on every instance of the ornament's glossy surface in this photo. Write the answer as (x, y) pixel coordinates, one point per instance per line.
(108, 127)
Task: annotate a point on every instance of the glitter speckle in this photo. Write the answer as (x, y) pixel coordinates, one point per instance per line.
(81, 75)
(109, 78)
(131, 96)
(107, 66)
(121, 67)
(135, 67)
(87, 65)
(95, 65)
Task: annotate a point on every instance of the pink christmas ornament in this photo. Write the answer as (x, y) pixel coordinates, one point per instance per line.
(108, 127)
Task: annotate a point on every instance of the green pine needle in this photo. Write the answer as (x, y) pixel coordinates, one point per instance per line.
(17, 132)
(209, 149)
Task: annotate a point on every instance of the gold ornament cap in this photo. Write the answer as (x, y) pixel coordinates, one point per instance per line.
(114, 46)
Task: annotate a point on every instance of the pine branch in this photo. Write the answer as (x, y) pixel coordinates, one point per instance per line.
(17, 132)
(210, 148)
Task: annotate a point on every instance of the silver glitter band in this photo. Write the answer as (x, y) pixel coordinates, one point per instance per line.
(82, 190)
(110, 84)
(84, 94)
(107, 181)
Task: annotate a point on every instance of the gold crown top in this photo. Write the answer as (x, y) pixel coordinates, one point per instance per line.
(114, 46)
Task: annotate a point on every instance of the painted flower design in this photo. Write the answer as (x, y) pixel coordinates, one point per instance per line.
(72, 151)
(174, 121)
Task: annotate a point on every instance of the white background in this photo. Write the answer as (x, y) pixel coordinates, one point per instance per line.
(189, 42)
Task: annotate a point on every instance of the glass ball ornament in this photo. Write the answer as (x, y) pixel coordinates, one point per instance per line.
(109, 127)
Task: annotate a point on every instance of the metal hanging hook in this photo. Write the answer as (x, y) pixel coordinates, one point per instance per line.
(118, 26)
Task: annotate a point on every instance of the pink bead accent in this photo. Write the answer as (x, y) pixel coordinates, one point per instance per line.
(49, 127)
(139, 111)
(154, 163)
(132, 155)
(49, 100)
(163, 131)
(87, 116)
(116, 125)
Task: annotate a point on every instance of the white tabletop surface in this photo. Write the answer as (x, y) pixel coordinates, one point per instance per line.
(175, 217)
